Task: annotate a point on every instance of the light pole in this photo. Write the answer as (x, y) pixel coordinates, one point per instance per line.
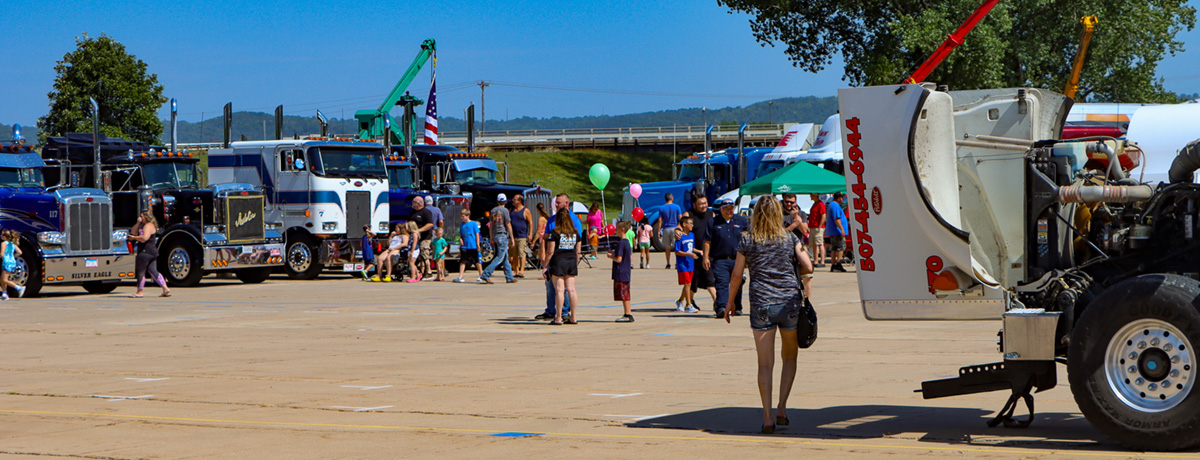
(769, 104)
(704, 116)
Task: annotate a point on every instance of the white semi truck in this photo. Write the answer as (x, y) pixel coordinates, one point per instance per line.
(966, 206)
(320, 193)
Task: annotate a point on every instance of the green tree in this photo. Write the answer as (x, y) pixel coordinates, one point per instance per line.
(100, 68)
(1020, 43)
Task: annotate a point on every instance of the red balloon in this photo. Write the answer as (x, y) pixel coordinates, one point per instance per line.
(638, 214)
(610, 230)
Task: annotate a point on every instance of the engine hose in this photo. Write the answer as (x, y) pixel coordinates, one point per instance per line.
(1187, 162)
(1104, 193)
(1114, 169)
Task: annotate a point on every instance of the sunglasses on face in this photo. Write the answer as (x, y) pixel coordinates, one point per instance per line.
(789, 202)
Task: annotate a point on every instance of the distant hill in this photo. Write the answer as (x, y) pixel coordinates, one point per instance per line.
(253, 125)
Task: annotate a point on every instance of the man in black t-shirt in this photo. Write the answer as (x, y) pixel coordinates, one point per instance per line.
(701, 214)
(424, 220)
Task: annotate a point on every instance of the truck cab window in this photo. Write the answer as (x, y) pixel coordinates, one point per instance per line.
(21, 178)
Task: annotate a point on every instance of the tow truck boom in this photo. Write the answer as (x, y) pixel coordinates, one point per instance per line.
(375, 123)
(1089, 23)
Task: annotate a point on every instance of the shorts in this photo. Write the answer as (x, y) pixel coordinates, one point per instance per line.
(368, 254)
(685, 278)
(563, 266)
(837, 243)
(427, 247)
(522, 246)
(468, 256)
(817, 236)
(415, 253)
(645, 245)
(668, 238)
(785, 316)
(703, 279)
(621, 291)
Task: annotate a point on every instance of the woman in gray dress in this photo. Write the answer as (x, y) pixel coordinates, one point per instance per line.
(768, 250)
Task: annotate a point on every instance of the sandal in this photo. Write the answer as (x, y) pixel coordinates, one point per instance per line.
(781, 421)
(165, 294)
(135, 296)
(768, 429)
(571, 322)
(555, 323)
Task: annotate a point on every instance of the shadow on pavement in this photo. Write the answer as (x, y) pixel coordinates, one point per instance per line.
(947, 425)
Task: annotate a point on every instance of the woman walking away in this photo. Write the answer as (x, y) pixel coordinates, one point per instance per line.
(562, 264)
(145, 234)
(11, 252)
(595, 222)
(775, 299)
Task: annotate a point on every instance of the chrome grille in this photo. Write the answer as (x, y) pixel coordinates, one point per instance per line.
(89, 225)
(532, 198)
(451, 216)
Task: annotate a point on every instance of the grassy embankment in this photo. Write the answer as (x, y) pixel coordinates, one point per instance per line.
(567, 171)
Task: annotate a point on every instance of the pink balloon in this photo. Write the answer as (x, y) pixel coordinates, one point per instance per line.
(638, 214)
(635, 190)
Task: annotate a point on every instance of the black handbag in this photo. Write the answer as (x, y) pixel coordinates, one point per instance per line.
(806, 329)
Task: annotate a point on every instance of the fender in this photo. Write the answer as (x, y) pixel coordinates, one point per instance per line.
(177, 230)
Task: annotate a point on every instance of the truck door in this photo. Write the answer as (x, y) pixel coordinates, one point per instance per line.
(291, 182)
(914, 255)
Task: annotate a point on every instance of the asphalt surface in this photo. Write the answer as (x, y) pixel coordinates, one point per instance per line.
(341, 368)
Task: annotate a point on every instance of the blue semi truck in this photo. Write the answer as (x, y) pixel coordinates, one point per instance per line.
(66, 234)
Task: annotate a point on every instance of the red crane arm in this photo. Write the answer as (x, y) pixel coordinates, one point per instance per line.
(952, 41)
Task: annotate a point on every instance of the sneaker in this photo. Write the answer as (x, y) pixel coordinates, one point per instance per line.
(838, 268)
(668, 266)
(459, 280)
(374, 278)
(4, 296)
(679, 306)
(484, 281)
(387, 279)
(20, 291)
(625, 319)
(364, 274)
(692, 309)
(511, 281)
(720, 314)
(543, 317)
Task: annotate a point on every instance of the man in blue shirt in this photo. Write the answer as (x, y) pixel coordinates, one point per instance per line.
(836, 227)
(668, 215)
(562, 201)
(720, 253)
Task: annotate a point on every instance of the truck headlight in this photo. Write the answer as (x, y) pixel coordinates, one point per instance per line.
(329, 226)
(57, 238)
(212, 229)
(383, 227)
(119, 236)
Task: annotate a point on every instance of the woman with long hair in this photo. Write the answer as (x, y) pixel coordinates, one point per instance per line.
(144, 234)
(562, 264)
(769, 250)
(10, 251)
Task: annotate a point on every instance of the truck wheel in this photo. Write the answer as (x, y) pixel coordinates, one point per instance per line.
(101, 287)
(28, 272)
(302, 263)
(656, 242)
(1130, 363)
(253, 275)
(181, 262)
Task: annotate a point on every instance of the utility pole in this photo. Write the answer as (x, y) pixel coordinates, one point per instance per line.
(769, 104)
(482, 107)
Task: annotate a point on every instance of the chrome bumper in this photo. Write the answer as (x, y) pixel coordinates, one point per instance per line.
(345, 255)
(219, 258)
(82, 269)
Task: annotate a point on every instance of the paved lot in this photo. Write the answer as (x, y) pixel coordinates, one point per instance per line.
(339, 368)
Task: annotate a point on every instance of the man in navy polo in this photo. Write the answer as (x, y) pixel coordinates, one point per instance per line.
(720, 252)
(562, 201)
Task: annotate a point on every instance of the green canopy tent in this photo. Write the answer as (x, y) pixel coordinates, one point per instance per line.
(800, 177)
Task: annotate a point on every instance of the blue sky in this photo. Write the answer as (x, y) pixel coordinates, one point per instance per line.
(601, 57)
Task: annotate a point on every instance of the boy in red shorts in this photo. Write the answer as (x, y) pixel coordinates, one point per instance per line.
(622, 257)
(685, 264)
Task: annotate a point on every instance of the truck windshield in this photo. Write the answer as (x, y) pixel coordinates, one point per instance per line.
(21, 178)
(348, 162)
(691, 173)
(768, 167)
(171, 175)
(476, 176)
(400, 177)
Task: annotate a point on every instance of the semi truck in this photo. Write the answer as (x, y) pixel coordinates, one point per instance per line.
(403, 187)
(968, 205)
(66, 234)
(320, 193)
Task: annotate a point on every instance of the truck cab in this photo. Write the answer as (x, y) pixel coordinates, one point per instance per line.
(320, 192)
(203, 230)
(403, 186)
(66, 235)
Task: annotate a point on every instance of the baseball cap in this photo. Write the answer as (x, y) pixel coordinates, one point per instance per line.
(501, 198)
(721, 202)
(837, 195)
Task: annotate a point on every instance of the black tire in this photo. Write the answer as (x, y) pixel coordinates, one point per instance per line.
(300, 259)
(253, 275)
(656, 242)
(181, 262)
(1121, 364)
(101, 287)
(29, 271)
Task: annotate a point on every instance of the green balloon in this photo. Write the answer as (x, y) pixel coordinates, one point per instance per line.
(599, 175)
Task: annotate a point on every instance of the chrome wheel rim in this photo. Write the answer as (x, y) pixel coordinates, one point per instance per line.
(21, 274)
(299, 257)
(179, 263)
(1149, 365)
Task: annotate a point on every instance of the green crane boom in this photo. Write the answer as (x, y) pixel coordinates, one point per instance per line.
(372, 124)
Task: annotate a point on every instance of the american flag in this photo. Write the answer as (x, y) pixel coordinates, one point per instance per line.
(431, 130)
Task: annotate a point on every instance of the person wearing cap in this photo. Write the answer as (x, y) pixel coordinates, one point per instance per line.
(835, 231)
(720, 252)
(500, 229)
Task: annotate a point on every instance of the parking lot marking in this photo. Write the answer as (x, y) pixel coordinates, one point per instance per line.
(613, 395)
(360, 409)
(121, 398)
(146, 380)
(365, 388)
